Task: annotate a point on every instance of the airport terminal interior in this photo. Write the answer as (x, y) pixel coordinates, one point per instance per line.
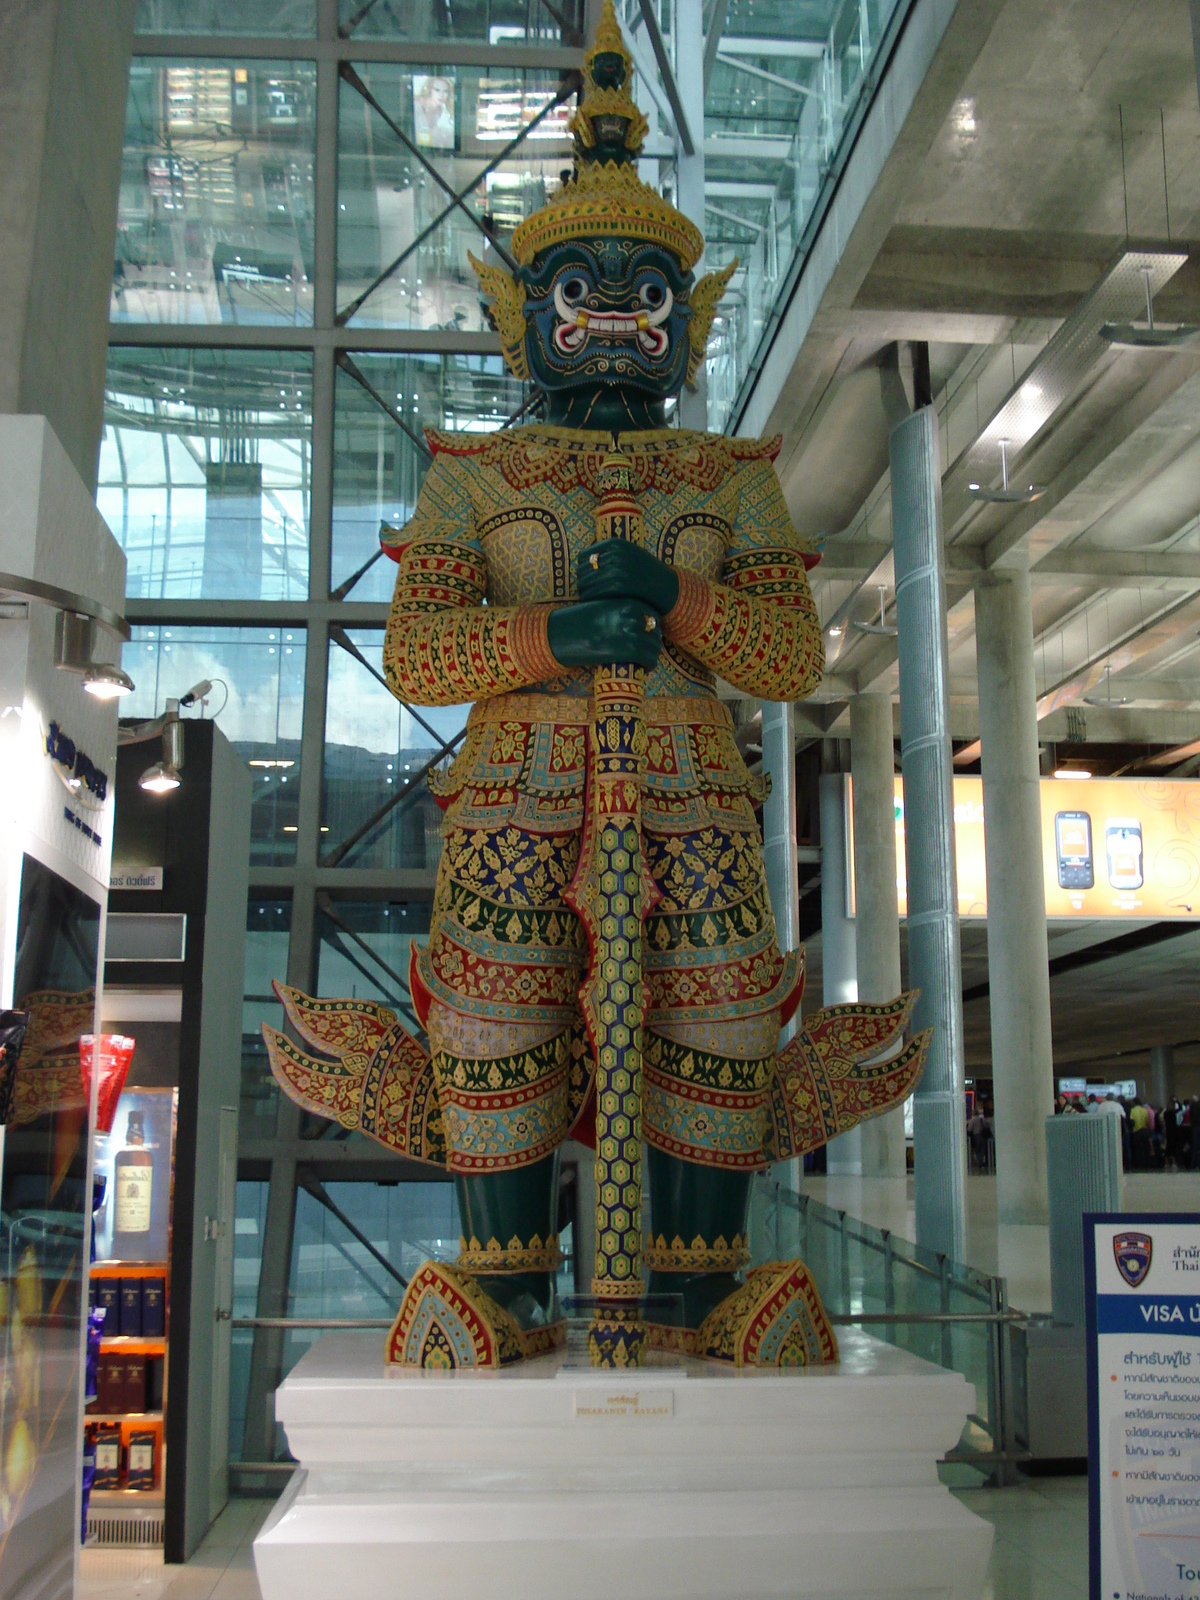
(260, 319)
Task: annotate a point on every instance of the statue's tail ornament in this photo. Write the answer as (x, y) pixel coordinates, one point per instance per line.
(831, 1077)
(380, 1080)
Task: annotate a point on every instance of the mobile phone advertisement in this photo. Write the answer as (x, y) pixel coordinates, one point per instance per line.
(1111, 847)
(1143, 1294)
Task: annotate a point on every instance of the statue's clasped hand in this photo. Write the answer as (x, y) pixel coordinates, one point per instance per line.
(614, 569)
(624, 593)
(596, 633)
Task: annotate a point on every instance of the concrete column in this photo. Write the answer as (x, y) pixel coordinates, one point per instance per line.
(1162, 1074)
(876, 916)
(935, 967)
(64, 71)
(689, 75)
(1018, 958)
(839, 971)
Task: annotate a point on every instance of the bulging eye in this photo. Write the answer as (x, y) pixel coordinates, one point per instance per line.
(653, 295)
(575, 289)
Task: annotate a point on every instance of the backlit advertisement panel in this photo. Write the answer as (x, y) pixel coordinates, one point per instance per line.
(1111, 847)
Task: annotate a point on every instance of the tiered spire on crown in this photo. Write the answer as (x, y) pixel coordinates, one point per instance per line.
(605, 198)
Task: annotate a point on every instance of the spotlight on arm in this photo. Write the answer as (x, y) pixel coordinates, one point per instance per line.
(74, 646)
(164, 775)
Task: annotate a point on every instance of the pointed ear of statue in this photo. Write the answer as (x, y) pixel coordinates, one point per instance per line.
(506, 303)
(705, 297)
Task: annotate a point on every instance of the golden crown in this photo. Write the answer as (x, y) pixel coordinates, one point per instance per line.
(606, 198)
(608, 201)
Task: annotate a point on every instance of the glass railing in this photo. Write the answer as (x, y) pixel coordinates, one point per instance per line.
(916, 1299)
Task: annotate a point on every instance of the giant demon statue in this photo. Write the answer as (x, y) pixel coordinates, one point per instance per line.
(602, 960)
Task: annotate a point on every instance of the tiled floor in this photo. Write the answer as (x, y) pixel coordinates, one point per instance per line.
(1040, 1552)
(1041, 1538)
(221, 1569)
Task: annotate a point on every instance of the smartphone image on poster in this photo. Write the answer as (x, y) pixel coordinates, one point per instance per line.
(1123, 844)
(1073, 836)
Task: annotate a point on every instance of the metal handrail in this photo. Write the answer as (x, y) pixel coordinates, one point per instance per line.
(312, 1322)
(950, 1318)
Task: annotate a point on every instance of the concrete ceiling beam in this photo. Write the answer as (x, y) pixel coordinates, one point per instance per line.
(1127, 434)
(1005, 273)
(1118, 568)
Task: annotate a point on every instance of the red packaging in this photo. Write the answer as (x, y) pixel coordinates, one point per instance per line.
(114, 1054)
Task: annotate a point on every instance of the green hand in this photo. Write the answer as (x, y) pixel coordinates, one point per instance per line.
(616, 569)
(597, 633)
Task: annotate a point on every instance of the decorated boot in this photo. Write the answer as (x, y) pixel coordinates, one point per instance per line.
(496, 1303)
(699, 1252)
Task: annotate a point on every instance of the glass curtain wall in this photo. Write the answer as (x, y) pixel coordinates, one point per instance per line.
(292, 307)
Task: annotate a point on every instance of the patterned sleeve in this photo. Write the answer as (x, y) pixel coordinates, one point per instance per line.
(444, 644)
(758, 628)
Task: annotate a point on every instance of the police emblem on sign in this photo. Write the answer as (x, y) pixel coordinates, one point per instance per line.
(1132, 1253)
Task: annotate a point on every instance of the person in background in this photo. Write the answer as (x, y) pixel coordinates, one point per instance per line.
(1169, 1124)
(977, 1134)
(1110, 1106)
(1141, 1156)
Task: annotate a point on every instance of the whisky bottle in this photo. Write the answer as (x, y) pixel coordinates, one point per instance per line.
(133, 1174)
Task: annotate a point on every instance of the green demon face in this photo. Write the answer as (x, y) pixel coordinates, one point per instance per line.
(607, 313)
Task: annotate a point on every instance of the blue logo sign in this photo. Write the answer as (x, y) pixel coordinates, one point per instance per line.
(1132, 1253)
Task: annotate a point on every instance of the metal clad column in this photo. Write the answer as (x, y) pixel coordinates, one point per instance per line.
(939, 1131)
(876, 916)
(1018, 956)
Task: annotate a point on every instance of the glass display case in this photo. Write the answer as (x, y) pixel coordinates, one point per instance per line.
(130, 1281)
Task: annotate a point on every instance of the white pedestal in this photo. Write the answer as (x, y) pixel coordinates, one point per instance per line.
(685, 1481)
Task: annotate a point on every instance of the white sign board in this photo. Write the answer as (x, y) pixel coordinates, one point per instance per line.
(1143, 1296)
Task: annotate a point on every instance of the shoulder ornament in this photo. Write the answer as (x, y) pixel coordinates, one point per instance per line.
(506, 302)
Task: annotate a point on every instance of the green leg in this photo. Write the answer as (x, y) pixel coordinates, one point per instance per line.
(508, 1205)
(688, 1201)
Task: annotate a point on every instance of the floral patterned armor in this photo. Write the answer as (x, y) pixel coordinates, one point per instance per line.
(553, 926)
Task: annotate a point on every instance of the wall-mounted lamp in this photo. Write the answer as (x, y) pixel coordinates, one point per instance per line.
(74, 648)
(164, 775)
(75, 627)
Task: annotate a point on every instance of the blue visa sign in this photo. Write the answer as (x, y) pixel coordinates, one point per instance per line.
(1143, 1305)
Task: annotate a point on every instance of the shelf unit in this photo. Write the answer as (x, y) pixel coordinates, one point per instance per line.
(134, 1421)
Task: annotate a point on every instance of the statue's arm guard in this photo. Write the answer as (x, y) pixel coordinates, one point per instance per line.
(443, 644)
(758, 628)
